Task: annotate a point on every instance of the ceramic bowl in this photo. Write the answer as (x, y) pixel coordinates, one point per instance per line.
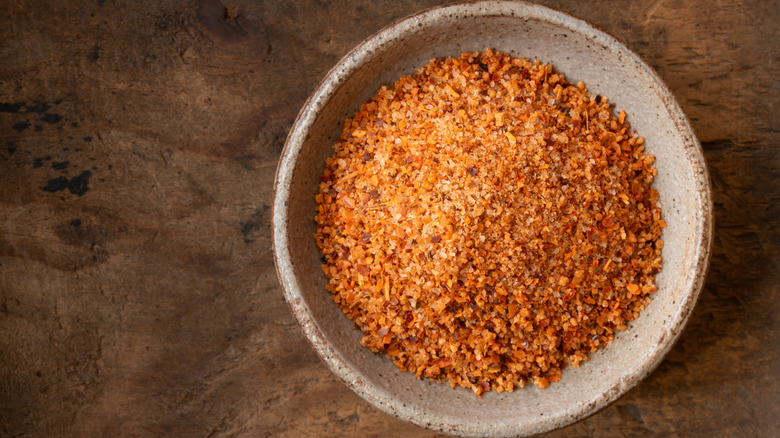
(582, 53)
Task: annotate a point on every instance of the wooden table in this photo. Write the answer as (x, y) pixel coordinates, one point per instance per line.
(138, 144)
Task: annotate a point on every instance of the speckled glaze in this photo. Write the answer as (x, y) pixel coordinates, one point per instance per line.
(582, 53)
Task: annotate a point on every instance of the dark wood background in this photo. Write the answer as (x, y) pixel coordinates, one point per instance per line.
(138, 144)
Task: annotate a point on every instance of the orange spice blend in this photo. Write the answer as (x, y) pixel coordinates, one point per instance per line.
(487, 222)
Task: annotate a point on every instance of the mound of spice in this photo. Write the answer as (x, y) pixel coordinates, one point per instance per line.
(486, 222)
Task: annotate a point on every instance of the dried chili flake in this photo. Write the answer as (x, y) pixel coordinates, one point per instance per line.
(494, 278)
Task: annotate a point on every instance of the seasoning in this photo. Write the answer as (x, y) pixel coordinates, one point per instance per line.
(486, 222)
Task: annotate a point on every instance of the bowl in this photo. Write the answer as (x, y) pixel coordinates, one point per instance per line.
(582, 53)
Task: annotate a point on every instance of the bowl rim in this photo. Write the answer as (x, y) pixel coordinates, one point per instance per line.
(353, 61)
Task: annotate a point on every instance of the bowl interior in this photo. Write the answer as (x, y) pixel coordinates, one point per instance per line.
(581, 53)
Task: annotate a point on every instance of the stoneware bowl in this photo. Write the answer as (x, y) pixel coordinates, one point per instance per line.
(582, 53)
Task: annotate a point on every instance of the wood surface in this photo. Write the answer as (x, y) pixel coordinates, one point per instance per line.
(138, 144)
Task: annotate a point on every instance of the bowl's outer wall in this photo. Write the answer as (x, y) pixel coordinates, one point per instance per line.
(581, 53)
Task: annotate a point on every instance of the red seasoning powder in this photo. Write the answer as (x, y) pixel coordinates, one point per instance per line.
(486, 222)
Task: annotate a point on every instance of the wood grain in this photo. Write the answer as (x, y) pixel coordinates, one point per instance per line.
(138, 144)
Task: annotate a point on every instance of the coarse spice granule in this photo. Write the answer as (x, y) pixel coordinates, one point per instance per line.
(487, 222)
